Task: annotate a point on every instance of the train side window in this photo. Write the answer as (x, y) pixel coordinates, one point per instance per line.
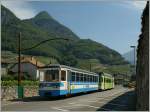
(82, 76)
(104, 79)
(85, 77)
(73, 76)
(63, 75)
(88, 78)
(94, 78)
(91, 78)
(77, 76)
(101, 79)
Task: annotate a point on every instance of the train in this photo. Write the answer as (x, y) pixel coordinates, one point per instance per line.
(58, 80)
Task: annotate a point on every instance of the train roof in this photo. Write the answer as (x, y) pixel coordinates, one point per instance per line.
(68, 67)
(105, 74)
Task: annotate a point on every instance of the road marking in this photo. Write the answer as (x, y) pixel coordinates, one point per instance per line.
(103, 98)
(91, 106)
(10, 103)
(106, 109)
(59, 109)
(117, 104)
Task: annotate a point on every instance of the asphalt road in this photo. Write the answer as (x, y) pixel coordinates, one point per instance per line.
(118, 98)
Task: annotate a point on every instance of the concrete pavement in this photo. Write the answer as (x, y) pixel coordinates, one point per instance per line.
(119, 98)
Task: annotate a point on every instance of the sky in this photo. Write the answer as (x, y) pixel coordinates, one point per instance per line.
(114, 23)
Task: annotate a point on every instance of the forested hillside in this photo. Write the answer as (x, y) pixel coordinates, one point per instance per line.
(43, 26)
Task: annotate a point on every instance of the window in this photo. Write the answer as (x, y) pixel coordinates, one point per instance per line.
(93, 78)
(51, 75)
(73, 76)
(96, 79)
(63, 75)
(88, 78)
(85, 78)
(77, 76)
(81, 78)
(107, 80)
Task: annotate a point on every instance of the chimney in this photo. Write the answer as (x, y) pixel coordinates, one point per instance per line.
(32, 58)
(36, 62)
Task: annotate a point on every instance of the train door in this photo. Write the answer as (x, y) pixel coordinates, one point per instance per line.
(64, 79)
(113, 82)
(69, 81)
(104, 82)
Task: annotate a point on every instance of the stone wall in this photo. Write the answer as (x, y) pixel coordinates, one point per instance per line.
(30, 91)
(9, 93)
(142, 68)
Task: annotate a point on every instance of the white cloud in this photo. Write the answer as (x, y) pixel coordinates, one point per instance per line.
(137, 4)
(22, 9)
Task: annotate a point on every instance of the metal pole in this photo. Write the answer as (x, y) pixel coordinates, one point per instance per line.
(20, 87)
(19, 59)
(134, 62)
(134, 59)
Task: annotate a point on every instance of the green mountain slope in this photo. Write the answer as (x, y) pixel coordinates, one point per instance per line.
(42, 27)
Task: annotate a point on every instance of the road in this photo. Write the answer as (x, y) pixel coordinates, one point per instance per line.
(118, 98)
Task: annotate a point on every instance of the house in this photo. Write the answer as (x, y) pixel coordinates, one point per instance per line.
(5, 65)
(29, 65)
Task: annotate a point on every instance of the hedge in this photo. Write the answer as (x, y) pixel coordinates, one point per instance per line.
(15, 83)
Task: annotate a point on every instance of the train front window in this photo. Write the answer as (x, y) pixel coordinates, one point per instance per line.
(52, 75)
(63, 75)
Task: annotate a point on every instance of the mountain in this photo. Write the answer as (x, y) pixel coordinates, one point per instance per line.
(42, 27)
(129, 56)
(47, 23)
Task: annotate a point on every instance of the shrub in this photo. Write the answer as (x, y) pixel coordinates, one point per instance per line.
(15, 83)
(7, 77)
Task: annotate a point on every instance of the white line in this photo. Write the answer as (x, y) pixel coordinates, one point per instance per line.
(59, 109)
(11, 103)
(71, 105)
(105, 109)
(117, 104)
(91, 106)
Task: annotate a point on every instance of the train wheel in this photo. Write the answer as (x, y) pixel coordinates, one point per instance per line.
(68, 95)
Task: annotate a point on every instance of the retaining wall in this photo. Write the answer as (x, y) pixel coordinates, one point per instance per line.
(9, 93)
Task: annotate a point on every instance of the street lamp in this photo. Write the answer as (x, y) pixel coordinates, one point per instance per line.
(134, 48)
(20, 87)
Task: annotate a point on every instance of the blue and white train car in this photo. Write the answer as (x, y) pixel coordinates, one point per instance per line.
(57, 80)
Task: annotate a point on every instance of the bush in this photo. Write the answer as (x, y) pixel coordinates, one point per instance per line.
(15, 83)
(7, 77)
(25, 76)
